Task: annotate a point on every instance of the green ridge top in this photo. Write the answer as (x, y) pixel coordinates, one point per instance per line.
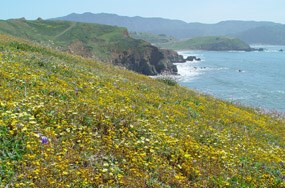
(212, 43)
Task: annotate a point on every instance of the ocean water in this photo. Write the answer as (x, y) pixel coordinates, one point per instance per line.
(254, 79)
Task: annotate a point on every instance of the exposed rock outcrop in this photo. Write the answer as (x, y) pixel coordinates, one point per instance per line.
(79, 48)
(192, 58)
(173, 56)
(255, 49)
(151, 61)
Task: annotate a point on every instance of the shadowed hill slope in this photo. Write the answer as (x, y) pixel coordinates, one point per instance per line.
(265, 35)
(70, 121)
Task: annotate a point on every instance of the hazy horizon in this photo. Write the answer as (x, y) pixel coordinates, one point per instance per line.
(205, 11)
(164, 18)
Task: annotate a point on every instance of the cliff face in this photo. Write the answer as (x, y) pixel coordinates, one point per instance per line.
(173, 56)
(148, 60)
(141, 57)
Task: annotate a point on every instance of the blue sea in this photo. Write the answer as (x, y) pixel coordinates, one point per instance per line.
(255, 79)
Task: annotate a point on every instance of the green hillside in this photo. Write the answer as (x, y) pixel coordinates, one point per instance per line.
(66, 34)
(66, 121)
(100, 42)
(153, 38)
(212, 43)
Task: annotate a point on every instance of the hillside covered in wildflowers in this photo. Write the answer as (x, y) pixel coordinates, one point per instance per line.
(66, 121)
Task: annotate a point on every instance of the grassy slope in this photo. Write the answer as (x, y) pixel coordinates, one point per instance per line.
(212, 43)
(98, 40)
(153, 38)
(108, 126)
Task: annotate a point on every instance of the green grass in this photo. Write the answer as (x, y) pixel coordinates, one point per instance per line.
(110, 127)
(212, 43)
(97, 40)
(167, 80)
(152, 38)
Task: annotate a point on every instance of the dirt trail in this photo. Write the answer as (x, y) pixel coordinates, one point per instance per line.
(58, 35)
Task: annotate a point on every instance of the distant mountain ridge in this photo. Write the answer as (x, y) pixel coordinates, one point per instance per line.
(182, 30)
(265, 35)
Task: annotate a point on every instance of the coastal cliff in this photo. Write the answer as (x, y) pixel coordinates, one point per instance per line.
(108, 44)
(149, 60)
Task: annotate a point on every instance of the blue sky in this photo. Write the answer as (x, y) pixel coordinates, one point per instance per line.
(206, 11)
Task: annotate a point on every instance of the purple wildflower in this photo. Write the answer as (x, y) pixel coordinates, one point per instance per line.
(44, 140)
(115, 84)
